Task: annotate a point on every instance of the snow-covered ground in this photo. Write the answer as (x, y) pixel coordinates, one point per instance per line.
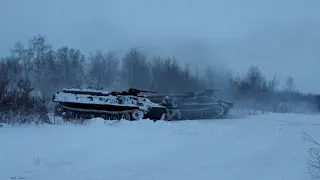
(261, 147)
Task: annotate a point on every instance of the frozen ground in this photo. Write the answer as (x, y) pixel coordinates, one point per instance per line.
(264, 147)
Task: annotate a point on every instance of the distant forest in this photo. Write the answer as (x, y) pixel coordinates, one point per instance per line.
(33, 72)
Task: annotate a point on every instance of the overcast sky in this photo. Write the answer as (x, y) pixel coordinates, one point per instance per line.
(280, 36)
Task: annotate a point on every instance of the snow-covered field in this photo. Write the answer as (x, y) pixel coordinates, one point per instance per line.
(261, 147)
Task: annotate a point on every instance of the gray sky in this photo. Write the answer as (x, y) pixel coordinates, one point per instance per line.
(280, 36)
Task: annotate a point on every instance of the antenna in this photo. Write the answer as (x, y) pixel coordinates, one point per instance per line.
(98, 82)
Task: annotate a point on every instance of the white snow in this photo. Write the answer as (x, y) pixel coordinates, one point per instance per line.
(86, 90)
(104, 100)
(261, 147)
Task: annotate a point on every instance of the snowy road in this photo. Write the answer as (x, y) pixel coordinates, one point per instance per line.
(260, 147)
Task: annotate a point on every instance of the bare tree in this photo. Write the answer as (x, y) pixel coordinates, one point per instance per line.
(290, 85)
(255, 79)
(209, 76)
(44, 70)
(273, 84)
(103, 68)
(135, 70)
(71, 69)
(157, 74)
(4, 80)
(313, 161)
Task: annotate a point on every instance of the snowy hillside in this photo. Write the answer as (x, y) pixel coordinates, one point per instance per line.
(264, 147)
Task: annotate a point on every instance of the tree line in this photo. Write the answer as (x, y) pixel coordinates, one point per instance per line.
(32, 73)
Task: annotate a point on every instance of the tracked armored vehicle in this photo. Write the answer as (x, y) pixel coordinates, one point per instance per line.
(197, 106)
(87, 103)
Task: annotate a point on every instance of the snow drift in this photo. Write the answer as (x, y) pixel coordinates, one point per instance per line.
(261, 147)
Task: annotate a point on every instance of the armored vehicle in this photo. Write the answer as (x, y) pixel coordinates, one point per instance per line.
(197, 106)
(88, 103)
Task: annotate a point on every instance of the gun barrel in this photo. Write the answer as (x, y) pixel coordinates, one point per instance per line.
(144, 91)
(140, 91)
